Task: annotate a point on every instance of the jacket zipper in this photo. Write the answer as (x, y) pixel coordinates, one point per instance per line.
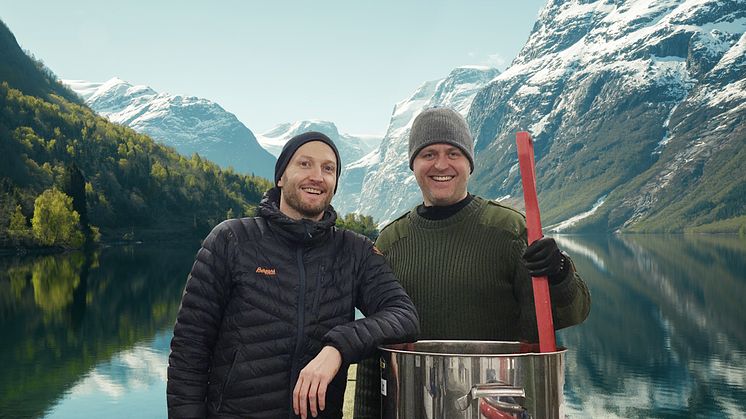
(295, 370)
(227, 379)
(319, 287)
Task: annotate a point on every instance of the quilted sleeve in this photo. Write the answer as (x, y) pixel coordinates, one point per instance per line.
(197, 325)
(390, 315)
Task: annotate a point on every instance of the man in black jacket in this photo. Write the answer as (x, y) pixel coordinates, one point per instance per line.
(267, 326)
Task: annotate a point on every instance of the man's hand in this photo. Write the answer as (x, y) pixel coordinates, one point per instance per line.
(313, 380)
(543, 258)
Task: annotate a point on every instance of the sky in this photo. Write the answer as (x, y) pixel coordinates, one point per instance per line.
(275, 61)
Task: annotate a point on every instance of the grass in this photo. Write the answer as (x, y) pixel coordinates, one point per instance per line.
(350, 393)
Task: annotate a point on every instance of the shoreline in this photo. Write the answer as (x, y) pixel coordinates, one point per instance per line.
(100, 245)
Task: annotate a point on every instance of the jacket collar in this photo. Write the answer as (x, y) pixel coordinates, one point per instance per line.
(295, 231)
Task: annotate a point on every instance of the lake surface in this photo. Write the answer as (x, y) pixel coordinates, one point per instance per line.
(86, 334)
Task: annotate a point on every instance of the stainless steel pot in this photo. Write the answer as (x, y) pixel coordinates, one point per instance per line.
(471, 379)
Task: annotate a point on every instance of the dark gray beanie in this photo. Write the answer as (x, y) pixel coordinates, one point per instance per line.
(440, 125)
(295, 143)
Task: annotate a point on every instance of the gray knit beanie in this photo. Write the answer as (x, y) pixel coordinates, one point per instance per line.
(440, 125)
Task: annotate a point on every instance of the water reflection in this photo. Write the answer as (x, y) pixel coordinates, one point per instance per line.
(132, 384)
(666, 337)
(65, 314)
(667, 332)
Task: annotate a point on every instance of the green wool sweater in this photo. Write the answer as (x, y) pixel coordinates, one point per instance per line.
(468, 280)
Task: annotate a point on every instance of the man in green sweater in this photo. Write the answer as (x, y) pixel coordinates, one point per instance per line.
(463, 259)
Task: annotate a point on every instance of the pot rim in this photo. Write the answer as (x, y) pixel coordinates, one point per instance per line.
(524, 349)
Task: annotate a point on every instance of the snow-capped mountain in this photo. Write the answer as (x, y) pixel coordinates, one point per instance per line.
(350, 147)
(188, 123)
(637, 109)
(380, 184)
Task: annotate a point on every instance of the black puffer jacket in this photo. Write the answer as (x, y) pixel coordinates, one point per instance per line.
(264, 296)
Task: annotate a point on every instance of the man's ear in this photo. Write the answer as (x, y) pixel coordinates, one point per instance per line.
(279, 183)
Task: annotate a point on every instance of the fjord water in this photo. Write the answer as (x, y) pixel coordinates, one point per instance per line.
(86, 334)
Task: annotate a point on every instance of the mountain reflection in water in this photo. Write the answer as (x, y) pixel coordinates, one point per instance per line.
(70, 321)
(666, 336)
(86, 334)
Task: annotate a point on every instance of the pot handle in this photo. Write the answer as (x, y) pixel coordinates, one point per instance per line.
(488, 390)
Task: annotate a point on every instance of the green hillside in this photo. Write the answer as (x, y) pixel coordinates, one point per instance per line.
(134, 188)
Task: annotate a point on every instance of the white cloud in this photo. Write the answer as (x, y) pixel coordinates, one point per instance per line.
(490, 60)
(495, 60)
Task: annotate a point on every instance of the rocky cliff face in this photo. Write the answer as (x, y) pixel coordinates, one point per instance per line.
(635, 107)
(187, 123)
(380, 184)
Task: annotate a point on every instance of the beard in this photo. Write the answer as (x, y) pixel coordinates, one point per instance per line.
(294, 201)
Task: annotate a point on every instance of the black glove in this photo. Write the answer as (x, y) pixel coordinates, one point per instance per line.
(543, 258)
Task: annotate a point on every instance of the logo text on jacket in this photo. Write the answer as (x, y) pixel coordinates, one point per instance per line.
(261, 270)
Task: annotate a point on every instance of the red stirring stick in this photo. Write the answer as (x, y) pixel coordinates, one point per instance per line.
(543, 304)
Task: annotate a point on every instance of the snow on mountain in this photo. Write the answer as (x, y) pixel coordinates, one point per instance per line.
(350, 147)
(728, 74)
(188, 123)
(380, 184)
(636, 107)
(604, 86)
(609, 91)
(372, 141)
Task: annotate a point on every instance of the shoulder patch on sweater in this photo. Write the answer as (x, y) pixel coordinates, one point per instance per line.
(393, 232)
(502, 216)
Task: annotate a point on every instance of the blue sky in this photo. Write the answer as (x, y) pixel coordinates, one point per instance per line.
(275, 61)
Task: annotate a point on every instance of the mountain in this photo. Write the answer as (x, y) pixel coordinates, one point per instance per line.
(638, 113)
(22, 71)
(135, 188)
(187, 123)
(350, 147)
(637, 110)
(380, 184)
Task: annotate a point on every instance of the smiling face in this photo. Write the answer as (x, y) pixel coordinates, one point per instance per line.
(308, 181)
(442, 171)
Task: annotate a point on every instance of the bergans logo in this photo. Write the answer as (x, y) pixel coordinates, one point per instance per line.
(261, 270)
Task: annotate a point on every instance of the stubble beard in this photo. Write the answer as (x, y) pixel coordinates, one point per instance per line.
(441, 201)
(294, 201)
(455, 195)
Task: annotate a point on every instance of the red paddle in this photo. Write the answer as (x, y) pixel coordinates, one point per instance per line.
(547, 341)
